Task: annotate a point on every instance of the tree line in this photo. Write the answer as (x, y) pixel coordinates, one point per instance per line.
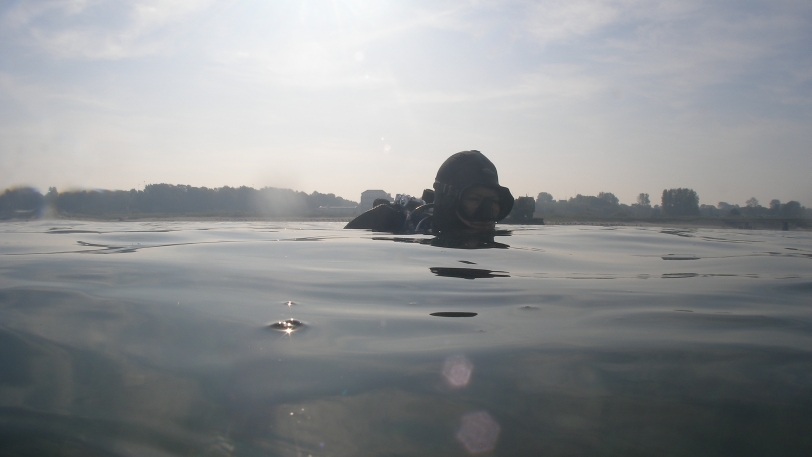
(167, 199)
(180, 200)
(680, 202)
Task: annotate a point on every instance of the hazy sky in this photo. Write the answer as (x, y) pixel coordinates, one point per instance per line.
(341, 96)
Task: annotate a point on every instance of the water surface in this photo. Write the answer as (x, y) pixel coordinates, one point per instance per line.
(164, 338)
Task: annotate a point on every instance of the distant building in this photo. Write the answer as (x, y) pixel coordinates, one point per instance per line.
(523, 208)
(369, 196)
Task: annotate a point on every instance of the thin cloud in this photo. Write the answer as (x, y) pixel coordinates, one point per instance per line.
(36, 98)
(551, 82)
(674, 56)
(100, 30)
(560, 21)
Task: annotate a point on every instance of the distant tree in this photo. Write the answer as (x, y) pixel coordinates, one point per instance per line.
(182, 199)
(791, 209)
(642, 208)
(775, 207)
(317, 199)
(545, 204)
(543, 198)
(709, 210)
(725, 206)
(588, 204)
(680, 202)
(609, 197)
(51, 198)
(643, 200)
(754, 209)
(20, 202)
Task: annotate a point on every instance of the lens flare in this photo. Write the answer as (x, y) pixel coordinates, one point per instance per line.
(457, 371)
(478, 432)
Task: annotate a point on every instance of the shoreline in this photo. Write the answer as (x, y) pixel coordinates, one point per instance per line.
(720, 223)
(156, 218)
(737, 224)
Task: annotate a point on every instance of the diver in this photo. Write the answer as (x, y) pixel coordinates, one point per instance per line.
(466, 198)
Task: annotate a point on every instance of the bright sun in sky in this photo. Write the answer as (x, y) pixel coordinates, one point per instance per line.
(566, 97)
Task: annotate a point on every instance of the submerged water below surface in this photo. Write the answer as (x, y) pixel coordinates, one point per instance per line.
(206, 338)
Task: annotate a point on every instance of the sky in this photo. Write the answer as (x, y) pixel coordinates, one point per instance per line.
(565, 97)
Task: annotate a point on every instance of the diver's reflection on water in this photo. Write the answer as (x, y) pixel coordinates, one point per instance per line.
(468, 273)
(457, 240)
(471, 240)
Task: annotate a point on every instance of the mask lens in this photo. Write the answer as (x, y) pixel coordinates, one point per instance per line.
(485, 211)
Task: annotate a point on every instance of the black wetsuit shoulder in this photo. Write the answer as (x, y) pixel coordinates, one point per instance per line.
(382, 218)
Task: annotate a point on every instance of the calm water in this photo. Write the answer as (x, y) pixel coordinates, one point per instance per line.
(154, 339)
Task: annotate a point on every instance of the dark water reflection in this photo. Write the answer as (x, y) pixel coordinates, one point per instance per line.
(468, 273)
(463, 240)
(620, 342)
(453, 314)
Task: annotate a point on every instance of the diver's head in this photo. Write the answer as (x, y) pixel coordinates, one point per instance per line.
(468, 195)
